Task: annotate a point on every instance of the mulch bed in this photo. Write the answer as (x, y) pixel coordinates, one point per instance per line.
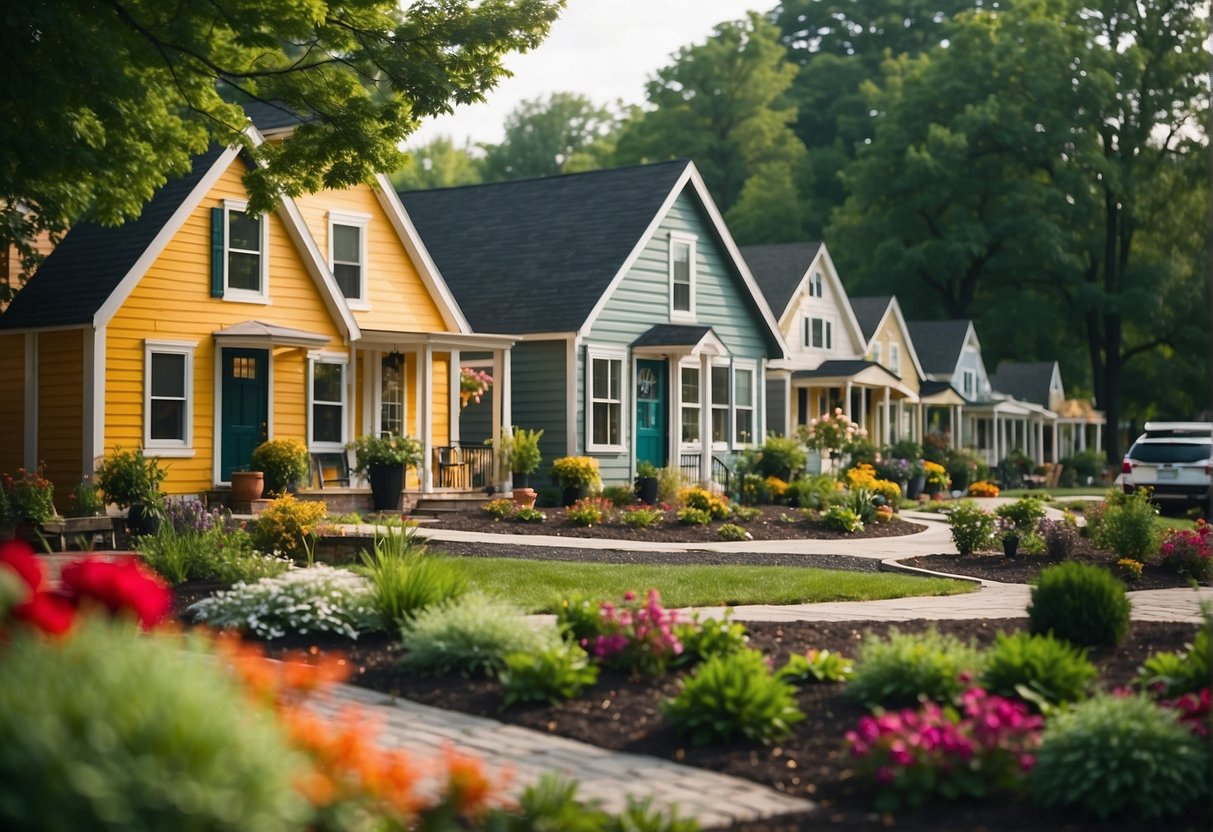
(768, 526)
(624, 714)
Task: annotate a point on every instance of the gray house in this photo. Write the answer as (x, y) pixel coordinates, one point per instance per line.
(642, 334)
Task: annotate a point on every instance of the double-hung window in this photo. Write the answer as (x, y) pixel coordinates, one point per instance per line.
(168, 401)
(815, 285)
(876, 352)
(347, 255)
(605, 411)
(689, 411)
(682, 277)
(720, 404)
(895, 358)
(968, 382)
(818, 333)
(743, 405)
(245, 267)
(326, 403)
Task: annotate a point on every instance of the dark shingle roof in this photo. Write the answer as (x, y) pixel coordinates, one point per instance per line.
(869, 312)
(1027, 381)
(268, 116)
(778, 269)
(672, 335)
(938, 344)
(930, 388)
(839, 368)
(536, 255)
(84, 270)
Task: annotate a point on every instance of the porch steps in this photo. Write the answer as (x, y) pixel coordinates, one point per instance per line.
(340, 500)
(440, 504)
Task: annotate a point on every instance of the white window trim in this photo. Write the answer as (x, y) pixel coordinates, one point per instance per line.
(827, 333)
(168, 447)
(752, 368)
(693, 364)
(689, 240)
(376, 364)
(606, 354)
(244, 295)
(895, 358)
(727, 406)
(314, 358)
(876, 353)
(361, 222)
(965, 387)
(816, 285)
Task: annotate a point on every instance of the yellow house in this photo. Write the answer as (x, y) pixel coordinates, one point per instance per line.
(199, 330)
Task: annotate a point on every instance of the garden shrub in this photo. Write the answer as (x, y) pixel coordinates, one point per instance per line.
(619, 496)
(841, 519)
(860, 475)
(1120, 755)
(972, 527)
(860, 500)
(743, 514)
(588, 511)
(285, 463)
(1059, 536)
(1086, 605)
(1046, 667)
(670, 483)
(1086, 465)
(983, 488)
(499, 508)
(897, 670)
(703, 639)
(776, 489)
(406, 579)
(287, 525)
(715, 505)
(642, 518)
(915, 755)
(551, 805)
(470, 634)
(887, 490)
(730, 695)
(1024, 514)
(560, 672)
(818, 666)
(529, 515)
(963, 469)
(731, 531)
(110, 729)
(783, 457)
(31, 496)
(1174, 673)
(194, 544)
(1129, 569)
(1188, 552)
(814, 492)
(639, 636)
(1129, 526)
(84, 501)
(693, 516)
(315, 600)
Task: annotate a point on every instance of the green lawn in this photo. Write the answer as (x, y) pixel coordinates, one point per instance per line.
(1176, 522)
(538, 586)
(1056, 493)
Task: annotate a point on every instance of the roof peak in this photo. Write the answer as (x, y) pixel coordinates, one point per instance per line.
(551, 178)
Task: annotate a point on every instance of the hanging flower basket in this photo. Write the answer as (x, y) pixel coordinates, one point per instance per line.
(473, 384)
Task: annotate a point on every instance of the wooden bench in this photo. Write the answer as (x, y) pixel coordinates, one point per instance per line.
(68, 529)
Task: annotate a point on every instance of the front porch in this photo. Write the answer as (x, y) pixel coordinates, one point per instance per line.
(868, 394)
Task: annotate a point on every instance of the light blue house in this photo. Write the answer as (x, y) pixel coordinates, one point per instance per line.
(642, 334)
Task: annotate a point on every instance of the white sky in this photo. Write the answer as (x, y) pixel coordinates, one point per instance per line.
(604, 49)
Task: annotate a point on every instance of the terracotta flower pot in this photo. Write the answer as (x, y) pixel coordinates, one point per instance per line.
(525, 497)
(247, 485)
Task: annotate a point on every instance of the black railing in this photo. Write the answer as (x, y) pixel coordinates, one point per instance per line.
(688, 464)
(462, 466)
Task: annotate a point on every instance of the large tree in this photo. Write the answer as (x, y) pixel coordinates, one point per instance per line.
(438, 164)
(544, 135)
(1017, 163)
(104, 101)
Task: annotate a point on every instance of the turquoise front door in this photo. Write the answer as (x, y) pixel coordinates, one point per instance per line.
(651, 425)
(243, 424)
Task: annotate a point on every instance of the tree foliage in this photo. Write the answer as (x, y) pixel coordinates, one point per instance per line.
(104, 102)
(544, 135)
(438, 164)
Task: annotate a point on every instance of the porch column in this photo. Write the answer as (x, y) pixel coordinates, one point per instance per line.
(863, 409)
(888, 428)
(453, 402)
(1098, 437)
(500, 413)
(1082, 437)
(996, 436)
(957, 428)
(847, 400)
(425, 417)
(705, 419)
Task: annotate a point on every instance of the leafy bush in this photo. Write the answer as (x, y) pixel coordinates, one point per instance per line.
(963, 469)
(731, 531)
(813, 492)
(530, 515)
(1174, 673)
(842, 519)
(693, 516)
(1045, 667)
(887, 490)
(315, 600)
(917, 754)
(394, 451)
(775, 489)
(983, 488)
(579, 619)
(1059, 536)
(551, 804)
(669, 483)
(642, 518)
(783, 457)
(287, 525)
(108, 729)
(587, 511)
(499, 509)
(862, 501)
(85, 501)
(619, 496)
(715, 505)
(743, 514)
(1129, 526)
(1085, 605)
(1188, 552)
(195, 544)
(1114, 755)
(972, 527)
(128, 477)
(638, 635)
(703, 639)
(1130, 569)
(576, 471)
(818, 666)
(897, 670)
(730, 695)
(1025, 513)
(31, 496)
(470, 634)
(406, 579)
(557, 673)
(285, 463)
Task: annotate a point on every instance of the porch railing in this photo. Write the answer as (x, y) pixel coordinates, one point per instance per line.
(462, 466)
(688, 464)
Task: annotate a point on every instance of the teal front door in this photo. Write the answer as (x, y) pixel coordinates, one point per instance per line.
(243, 423)
(651, 426)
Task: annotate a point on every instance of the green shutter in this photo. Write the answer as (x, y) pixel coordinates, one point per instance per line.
(217, 252)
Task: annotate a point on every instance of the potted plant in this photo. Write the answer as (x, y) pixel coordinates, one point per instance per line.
(30, 502)
(576, 475)
(384, 460)
(473, 385)
(917, 479)
(284, 462)
(1008, 533)
(646, 482)
(937, 479)
(131, 481)
(520, 453)
(247, 485)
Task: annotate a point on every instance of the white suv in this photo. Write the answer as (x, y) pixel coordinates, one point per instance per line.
(1173, 459)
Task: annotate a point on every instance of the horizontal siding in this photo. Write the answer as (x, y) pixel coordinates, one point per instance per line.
(173, 302)
(12, 402)
(61, 410)
(776, 401)
(537, 378)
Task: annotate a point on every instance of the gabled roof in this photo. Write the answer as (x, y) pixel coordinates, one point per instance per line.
(542, 255)
(779, 268)
(840, 367)
(1027, 381)
(672, 335)
(939, 344)
(870, 312)
(87, 266)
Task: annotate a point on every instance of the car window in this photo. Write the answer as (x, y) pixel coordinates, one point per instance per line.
(1149, 452)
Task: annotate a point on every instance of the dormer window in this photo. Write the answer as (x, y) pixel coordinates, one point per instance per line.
(244, 261)
(815, 287)
(682, 277)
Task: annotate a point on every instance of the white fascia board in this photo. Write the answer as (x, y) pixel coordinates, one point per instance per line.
(842, 299)
(895, 310)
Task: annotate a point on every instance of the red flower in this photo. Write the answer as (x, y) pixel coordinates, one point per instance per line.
(119, 584)
(51, 613)
(19, 556)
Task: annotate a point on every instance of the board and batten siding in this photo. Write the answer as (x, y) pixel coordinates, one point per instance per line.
(61, 410)
(642, 300)
(12, 402)
(173, 302)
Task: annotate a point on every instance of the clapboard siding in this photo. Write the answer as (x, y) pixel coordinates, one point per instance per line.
(537, 376)
(12, 402)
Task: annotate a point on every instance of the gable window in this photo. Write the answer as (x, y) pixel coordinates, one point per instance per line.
(347, 255)
(720, 404)
(682, 276)
(605, 411)
(815, 287)
(326, 403)
(168, 384)
(689, 412)
(895, 358)
(818, 333)
(743, 405)
(244, 253)
(968, 383)
(876, 352)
